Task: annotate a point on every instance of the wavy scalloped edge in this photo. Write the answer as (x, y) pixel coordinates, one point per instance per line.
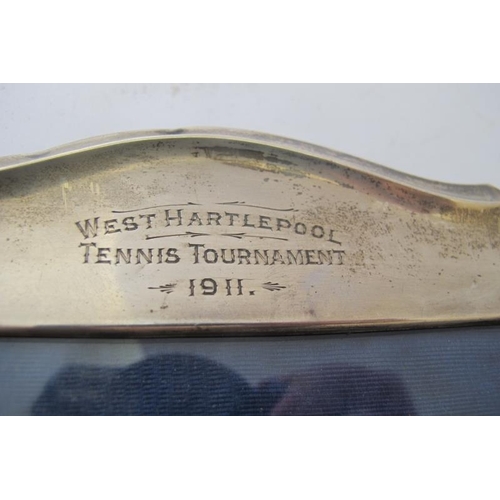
(484, 193)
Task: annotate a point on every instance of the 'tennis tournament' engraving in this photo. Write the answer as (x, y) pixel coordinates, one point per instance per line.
(189, 225)
(189, 221)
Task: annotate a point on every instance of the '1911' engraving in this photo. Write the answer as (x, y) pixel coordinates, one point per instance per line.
(194, 232)
(219, 286)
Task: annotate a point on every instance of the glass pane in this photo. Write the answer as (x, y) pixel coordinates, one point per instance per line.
(454, 371)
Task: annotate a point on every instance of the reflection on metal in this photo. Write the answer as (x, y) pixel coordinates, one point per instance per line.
(218, 232)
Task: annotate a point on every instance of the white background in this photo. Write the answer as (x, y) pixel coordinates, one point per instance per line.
(443, 132)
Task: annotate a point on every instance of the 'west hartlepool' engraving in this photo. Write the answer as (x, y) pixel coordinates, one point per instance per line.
(276, 227)
(194, 223)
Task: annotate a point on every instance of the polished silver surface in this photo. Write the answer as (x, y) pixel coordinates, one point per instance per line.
(210, 231)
